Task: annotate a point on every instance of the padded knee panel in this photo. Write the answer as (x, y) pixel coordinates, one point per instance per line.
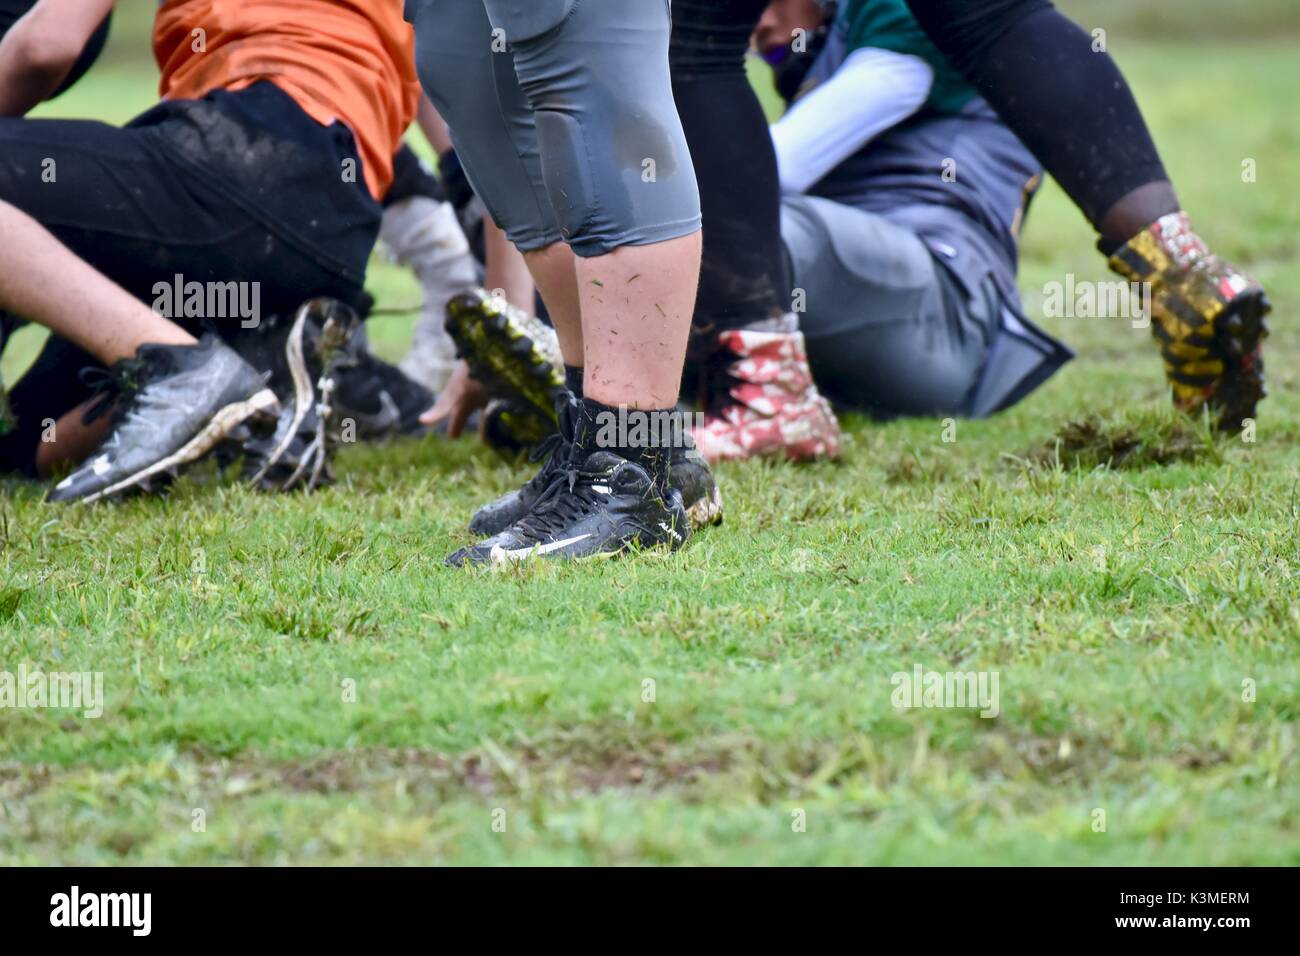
(566, 166)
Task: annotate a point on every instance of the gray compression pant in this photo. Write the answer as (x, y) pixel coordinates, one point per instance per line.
(888, 330)
(563, 117)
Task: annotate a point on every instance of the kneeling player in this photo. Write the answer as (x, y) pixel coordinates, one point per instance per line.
(260, 172)
(908, 276)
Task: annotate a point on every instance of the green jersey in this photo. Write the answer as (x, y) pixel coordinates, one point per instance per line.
(889, 25)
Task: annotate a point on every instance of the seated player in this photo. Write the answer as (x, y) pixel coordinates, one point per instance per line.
(1208, 315)
(260, 174)
(908, 275)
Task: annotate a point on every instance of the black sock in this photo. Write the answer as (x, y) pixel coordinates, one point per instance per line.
(643, 436)
(1108, 247)
(573, 379)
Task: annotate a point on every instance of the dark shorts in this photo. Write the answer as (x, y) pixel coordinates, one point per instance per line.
(236, 187)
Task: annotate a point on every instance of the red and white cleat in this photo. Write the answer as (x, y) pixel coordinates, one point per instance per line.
(774, 408)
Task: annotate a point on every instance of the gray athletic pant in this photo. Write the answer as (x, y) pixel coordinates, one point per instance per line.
(563, 117)
(887, 328)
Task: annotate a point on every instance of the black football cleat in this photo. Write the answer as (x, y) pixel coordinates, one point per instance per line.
(690, 474)
(174, 404)
(600, 506)
(373, 399)
(553, 453)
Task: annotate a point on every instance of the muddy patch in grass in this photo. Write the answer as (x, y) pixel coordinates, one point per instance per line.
(561, 764)
(1126, 443)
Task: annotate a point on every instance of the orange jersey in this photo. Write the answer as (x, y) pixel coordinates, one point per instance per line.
(347, 60)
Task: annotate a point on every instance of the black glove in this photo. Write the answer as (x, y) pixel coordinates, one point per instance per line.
(459, 192)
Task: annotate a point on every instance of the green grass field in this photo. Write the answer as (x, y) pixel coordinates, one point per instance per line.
(305, 673)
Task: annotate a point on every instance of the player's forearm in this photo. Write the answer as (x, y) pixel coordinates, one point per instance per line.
(42, 280)
(29, 75)
(40, 50)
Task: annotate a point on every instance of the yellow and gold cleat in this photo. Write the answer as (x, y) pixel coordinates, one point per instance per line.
(517, 358)
(1207, 317)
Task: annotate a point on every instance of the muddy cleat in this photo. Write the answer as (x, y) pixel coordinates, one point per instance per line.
(596, 507)
(513, 428)
(175, 403)
(302, 361)
(693, 479)
(1208, 318)
(517, 358)
(424, 235)
(772, 406)
(689, 474)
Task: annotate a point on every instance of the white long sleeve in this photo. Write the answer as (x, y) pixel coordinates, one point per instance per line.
(871, 92)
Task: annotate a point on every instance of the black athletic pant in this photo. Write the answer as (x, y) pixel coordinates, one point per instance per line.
(742, 278)
(236, 187)
(1070, 105)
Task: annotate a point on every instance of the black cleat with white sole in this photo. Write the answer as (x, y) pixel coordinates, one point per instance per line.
(596, 507)
(689, 473)
(175, 404)
(373, 399)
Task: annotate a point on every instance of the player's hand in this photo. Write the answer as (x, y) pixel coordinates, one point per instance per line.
(460, 398)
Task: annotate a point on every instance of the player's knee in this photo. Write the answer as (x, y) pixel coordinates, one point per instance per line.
(638, 193)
